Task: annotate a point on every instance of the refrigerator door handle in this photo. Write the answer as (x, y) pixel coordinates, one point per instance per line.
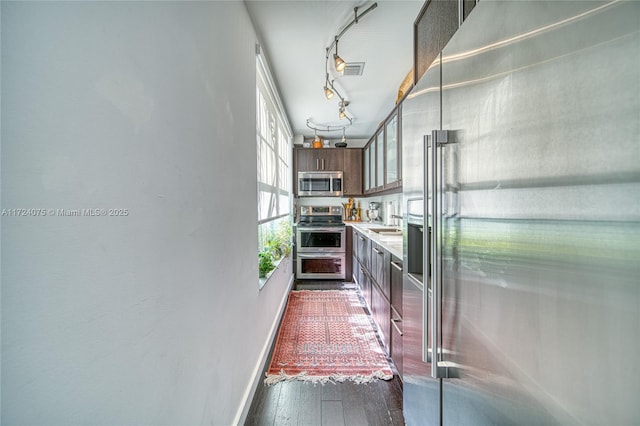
(439, 367)
(427, 349)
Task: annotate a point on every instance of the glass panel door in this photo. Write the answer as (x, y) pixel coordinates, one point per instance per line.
(367, 156)
(380, 159)
(391, 130)
(372, 158)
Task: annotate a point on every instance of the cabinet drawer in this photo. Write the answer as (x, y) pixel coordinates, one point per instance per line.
(396, 341)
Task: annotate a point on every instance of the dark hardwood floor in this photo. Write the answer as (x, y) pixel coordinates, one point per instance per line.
(332, 404)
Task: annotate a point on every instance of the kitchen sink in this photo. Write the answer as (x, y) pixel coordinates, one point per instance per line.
(386, 231)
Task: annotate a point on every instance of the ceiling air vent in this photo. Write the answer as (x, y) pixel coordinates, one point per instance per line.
(353, 68)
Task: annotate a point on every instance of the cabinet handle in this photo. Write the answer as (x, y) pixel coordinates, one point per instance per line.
(323, 164)
(317, 164)
(362, 238)
(377, 251)
(395, 322)
(396, 265)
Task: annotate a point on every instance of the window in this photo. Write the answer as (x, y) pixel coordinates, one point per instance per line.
(273, 136)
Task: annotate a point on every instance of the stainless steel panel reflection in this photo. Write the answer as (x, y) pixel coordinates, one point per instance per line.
(421, 394)
(542, 214)
(420, 115)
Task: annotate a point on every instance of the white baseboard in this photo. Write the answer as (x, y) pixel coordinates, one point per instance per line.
(241, 415)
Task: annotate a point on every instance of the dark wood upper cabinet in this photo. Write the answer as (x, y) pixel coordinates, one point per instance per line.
(435, 25)
(316, 160)
(352, 183)
(345, 160)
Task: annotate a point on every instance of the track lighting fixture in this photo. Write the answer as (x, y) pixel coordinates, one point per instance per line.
(341, 111)
(327, 90)
(338, 62)
(324, 128)
(344, 137)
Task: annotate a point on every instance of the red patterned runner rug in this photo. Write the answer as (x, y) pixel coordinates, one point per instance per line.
(327, 336)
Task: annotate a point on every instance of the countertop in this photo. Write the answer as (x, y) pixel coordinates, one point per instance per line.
(391, 243)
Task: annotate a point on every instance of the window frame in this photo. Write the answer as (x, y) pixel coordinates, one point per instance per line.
(274, 155)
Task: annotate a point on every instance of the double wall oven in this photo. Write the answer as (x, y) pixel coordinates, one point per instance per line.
(320, 243)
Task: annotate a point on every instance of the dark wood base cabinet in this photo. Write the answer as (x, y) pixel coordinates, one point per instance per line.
(381, 311)
(379, 275)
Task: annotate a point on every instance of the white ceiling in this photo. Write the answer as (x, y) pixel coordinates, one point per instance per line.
(295, 35)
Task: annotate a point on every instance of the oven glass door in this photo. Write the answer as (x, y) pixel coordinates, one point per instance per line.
(321, 266)
(321, 239)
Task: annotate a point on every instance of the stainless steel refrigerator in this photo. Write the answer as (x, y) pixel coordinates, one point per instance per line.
(521, 192)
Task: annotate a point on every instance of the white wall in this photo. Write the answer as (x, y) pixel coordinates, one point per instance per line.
(154, 317)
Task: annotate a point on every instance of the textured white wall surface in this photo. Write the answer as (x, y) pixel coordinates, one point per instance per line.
(153, 317)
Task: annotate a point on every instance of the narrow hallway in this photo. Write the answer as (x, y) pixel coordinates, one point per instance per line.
(347, 403)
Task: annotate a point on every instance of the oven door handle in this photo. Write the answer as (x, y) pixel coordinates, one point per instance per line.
(322, 229)
(319, 256)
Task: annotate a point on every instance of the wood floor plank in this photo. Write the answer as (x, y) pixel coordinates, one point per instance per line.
(353, 404)
(375, 406)
(266, 404)
(332, 392)
(288, 404)
(392, 393)
(332, 413)
(397, 418)
(310, 405)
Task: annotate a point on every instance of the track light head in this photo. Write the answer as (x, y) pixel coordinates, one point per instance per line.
(342, 114)
(328, 92)
(339, 63)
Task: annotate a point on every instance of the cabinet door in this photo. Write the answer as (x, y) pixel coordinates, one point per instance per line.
(362, 248)
(396, 341)
(365, 286)
(396, 285)
(305, 160)
(366, 166)
(372, 164)
(391, 153)
(380, 268)
(355, 265)
(354, 243)
(381, 310)
(380, 150)
(330, 159)
(352, 171)
(434, 27)
(348, 267)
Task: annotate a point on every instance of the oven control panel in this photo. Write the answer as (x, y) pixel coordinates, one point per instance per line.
(320, 210)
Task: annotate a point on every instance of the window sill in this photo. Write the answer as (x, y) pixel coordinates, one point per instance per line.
(263, 281)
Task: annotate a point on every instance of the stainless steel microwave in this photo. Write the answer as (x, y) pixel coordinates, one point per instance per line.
(320, 184)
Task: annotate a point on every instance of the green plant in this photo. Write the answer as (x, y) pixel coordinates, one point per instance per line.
(283, 237)
(276, 242)
(273, 245)
(265, 263)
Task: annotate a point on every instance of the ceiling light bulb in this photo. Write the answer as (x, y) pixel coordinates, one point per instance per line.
(328, 92)
(340, 64)
(342, 114)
